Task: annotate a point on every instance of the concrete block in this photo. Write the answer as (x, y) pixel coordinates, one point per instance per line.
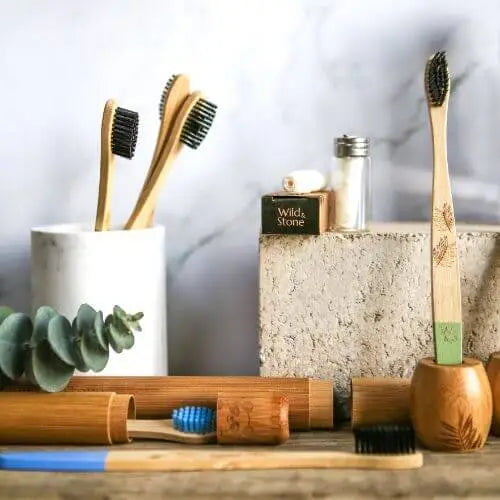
(340, 305)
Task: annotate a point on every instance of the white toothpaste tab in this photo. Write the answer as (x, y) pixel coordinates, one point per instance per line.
(304, 181)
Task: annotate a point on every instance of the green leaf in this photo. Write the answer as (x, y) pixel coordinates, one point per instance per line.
(120, 339)
(94, 356)
(131, 321)
(63, 341)
(41, 323)
(85, 318)
(47, 370)
(99, 330)
(15, 333)
(4, 312)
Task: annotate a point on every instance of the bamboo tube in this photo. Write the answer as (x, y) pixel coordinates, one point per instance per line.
(122, 409)
(64, 418)
(256, 418)
(379, 400)
(310, 401)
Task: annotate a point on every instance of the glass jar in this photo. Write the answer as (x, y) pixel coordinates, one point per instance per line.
(351, 184)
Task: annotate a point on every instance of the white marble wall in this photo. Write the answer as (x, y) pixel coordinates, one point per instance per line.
(288, 75)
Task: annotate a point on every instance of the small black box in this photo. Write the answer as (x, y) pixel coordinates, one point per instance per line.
(286, 213)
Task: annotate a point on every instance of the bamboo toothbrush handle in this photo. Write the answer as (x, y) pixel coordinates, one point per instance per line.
(199, 460)
(445, 276)
(173, 146)
(107, 169)
(176, 95)
(164, 430)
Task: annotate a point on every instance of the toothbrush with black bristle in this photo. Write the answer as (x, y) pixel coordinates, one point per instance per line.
(380, 447)
(119, 130)
(191, 124)
(445, 275)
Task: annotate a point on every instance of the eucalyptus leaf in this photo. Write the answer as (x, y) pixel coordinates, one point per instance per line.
(41, 323)
(63, 341)
(94, 356)
(47, 370)
(120, 339)
(85, 318)
(99, 330)
(4, 312)
(15, 333)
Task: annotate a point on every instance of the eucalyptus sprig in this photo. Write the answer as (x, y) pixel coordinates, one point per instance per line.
(48, 349)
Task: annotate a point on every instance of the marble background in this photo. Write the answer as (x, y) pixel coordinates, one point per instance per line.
(288, 76)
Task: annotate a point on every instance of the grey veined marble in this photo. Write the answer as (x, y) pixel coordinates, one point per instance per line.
(339, 306)
(288, 76)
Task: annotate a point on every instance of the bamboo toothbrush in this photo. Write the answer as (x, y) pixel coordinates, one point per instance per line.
(445, 279)
(380, 447)
(175, 92)
(189, 425)
(118, 137)
(191, 124)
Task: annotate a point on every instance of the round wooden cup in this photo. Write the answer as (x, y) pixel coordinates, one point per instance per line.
(493, 371)
(451, 405)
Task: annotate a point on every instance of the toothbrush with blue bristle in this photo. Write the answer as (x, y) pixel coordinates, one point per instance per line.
(189, 424)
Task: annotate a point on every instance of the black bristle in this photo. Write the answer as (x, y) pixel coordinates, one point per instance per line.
(124, 132)
(394, 439)
(437, 78)
(164, 94)
(198, 123)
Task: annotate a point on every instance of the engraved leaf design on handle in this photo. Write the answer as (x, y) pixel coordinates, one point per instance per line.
(448, 216)
(439, 250)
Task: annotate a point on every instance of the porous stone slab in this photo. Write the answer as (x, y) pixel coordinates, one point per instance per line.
(341, 305)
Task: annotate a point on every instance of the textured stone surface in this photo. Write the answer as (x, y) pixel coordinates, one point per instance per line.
(343, 305)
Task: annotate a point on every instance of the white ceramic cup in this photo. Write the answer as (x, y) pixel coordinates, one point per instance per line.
(72, 264)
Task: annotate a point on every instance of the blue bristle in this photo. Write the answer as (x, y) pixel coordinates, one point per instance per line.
(194, 419)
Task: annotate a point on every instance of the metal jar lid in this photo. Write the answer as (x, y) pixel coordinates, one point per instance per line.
(349, 145)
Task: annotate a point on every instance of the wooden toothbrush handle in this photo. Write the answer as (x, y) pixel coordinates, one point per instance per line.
(147, 200)
(107, 169)
(199, 460)
(445, 272)
(176, 95)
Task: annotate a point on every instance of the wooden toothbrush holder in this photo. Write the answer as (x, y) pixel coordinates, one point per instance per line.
(493, 371)
(451, 405)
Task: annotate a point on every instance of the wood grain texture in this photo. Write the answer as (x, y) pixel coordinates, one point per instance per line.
(72, 418)
(445, 272)
(464, 475)
(256, 418)
(310, 401)
(173, 146)
(379, 400)
(451, 406)
(493, 372)
(210, 460)
(107, 169)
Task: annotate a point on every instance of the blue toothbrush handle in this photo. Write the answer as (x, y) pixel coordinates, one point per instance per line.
(56, 461)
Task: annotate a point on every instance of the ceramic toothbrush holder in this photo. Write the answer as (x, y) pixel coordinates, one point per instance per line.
(72, 264)
(451, 405)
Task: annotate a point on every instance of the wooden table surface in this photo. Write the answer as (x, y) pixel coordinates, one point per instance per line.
(444, 475)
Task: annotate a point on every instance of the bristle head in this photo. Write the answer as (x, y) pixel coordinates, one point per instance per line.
(124, 132)
(385, 439)
(198, 123)
(164, 94)
(437, 79)
(194, 419)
